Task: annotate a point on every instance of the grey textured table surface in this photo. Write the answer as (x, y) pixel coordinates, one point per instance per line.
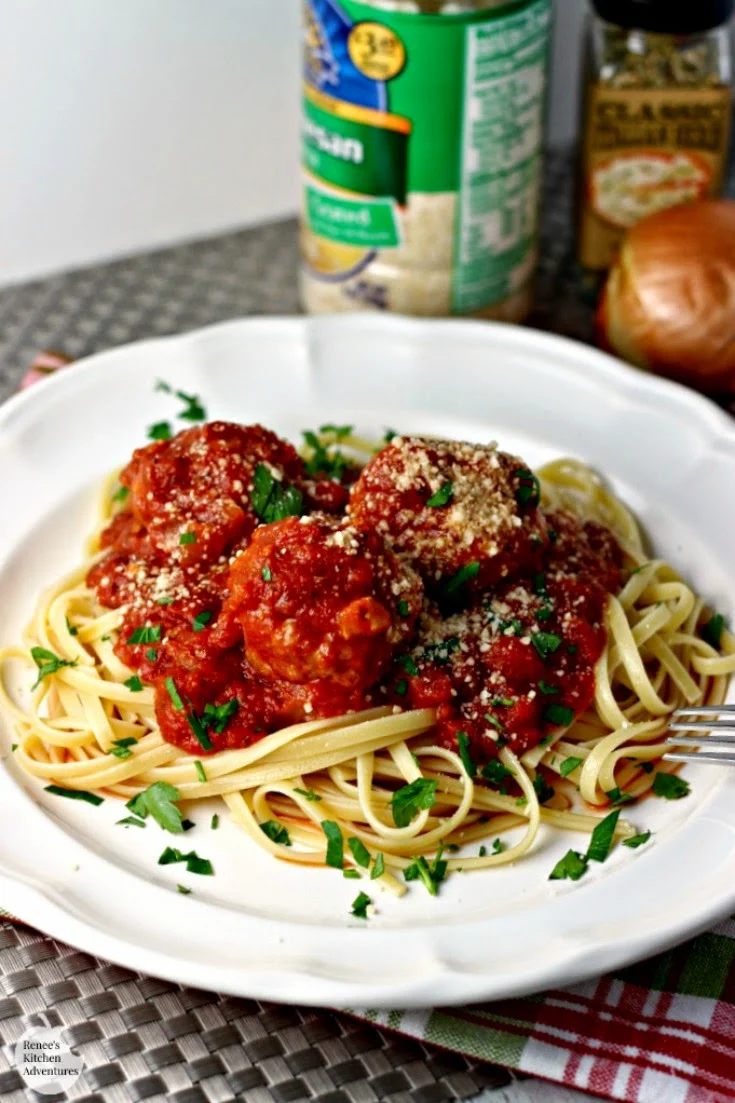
(251, 272)
(141, 1038)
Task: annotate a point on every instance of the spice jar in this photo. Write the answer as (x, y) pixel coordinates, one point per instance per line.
(657, 111)
(422, 154)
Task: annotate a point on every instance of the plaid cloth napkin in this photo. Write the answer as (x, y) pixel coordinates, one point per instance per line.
(662, 1031)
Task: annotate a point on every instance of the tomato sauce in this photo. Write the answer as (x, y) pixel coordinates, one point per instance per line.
(256, 595)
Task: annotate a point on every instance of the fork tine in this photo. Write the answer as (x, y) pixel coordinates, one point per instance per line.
(712, 757)
(698, 741)
(705, 710)
(701, 726)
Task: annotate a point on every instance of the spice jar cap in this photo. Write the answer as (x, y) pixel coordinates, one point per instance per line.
(666, 16)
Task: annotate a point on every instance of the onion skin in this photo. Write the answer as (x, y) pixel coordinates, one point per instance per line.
(669, 301)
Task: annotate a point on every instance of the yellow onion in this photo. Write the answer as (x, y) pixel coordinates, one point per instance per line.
(669, 301)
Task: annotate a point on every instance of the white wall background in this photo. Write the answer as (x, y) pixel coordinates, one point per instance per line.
(128, 124)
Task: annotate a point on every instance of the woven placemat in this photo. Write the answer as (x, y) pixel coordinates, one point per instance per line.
(145, 1039)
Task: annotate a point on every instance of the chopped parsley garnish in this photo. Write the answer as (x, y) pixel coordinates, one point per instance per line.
(188, 538)
(569, 765)
(266, 574)
(546, 643)
(389, 434)
(378, 868)
(359, 852)
(511, 627)
(496, 773)
(443, 496)
(193, 409)
(539, 585)
(187, 825)
(403, 608)
(276, 832)
(148, 633)
(602, 837)
(570, 868)
(214, 824)
(120, 748)
(134, 684)
(202, 866)
(711, 632)
(560, 716)
(544, 791)
(329, 464)
(170, 856)
(548, 689)
(309, 794)
(131, 821)
(482, 853)
(272, 499)
(164, 601)
(74, 794)
(498, 847)
(121, 494)
(431, 875)
(529, 490)
(160, 431)
(441, 652)
(339, 431)
(544, 613)
(201, 620)
(463, 742)
(71, 629)
(335, 844)
(351, 874)
(151, 654)
(408, 665)
(402, 687)
(201, 772)
(194, 864)
(617, 796)
(174, 694)
(493, 720)
(47, 663)
(199, 730)
(218, 716)
(360, 905)
(406, 802)
(572, 648)
(502, 702)
(183, 890)
(670, 787)
(637, 840)
(462, 577)
(158, 800)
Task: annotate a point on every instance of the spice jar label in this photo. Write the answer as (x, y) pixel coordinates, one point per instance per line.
(421, 156)
(646, 150)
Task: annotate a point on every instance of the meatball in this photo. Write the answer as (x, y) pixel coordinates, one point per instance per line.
(452, 507)
(314, 598)
(193, 495)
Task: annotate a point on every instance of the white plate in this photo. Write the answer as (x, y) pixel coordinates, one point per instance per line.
(262, 928)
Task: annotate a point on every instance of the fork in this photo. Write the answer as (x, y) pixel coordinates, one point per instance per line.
(712, 725)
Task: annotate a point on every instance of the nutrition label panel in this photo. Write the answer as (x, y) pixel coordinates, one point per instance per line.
(500, 176)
